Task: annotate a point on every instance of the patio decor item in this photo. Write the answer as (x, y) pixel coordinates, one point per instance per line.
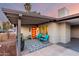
(45, 38)
(29, 37)
(22, 42)
(39, 36)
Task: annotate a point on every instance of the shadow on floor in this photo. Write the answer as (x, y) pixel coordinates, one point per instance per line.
(74, 45)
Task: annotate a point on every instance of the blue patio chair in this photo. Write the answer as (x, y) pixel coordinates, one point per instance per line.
(39, 36)
(45, 38)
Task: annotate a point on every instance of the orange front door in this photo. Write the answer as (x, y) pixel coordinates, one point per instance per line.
(34, 31)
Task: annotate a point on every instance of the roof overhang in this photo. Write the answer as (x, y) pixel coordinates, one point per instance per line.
(13, 17)
(71, 19)
(32, 19)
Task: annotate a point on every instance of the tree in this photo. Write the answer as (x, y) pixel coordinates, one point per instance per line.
(27, 7)
(6, 26)
(0, 27)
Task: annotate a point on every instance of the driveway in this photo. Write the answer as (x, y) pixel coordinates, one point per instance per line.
(54, 50)
(73, 44)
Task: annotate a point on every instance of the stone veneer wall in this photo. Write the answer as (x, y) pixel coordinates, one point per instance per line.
(7, 45)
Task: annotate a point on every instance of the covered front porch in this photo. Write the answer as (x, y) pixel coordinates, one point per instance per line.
(28, 27)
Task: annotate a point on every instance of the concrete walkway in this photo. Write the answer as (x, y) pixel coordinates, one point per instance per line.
(54, 50)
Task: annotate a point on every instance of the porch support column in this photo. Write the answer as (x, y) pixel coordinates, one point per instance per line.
(65, 32)
(53, 32)
(19, 37)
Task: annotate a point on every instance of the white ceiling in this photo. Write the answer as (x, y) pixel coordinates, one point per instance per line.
(72, 21)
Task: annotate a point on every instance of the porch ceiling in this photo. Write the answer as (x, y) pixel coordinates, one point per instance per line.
(13, 17)
(72, 21)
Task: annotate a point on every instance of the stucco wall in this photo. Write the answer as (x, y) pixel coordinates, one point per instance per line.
(59, 32)
(53, 31)
(64, 32)
(25, 30)
(75, 31)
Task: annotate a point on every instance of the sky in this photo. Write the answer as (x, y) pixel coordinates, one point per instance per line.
(48, 9)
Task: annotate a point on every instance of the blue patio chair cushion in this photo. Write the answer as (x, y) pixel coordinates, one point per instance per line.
(39, 36)
(45, 38)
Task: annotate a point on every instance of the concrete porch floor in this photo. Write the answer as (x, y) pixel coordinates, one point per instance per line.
(53, 50)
